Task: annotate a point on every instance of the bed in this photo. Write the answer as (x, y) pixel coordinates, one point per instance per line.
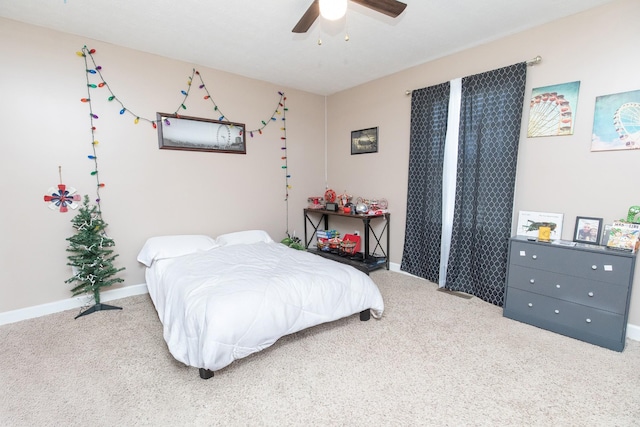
(223, 299)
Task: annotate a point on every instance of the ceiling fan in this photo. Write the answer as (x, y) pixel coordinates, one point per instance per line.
(390, 8)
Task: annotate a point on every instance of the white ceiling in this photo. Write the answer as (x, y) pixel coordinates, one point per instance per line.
(253, 38)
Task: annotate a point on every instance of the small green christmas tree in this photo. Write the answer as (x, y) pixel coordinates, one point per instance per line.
(92, 256)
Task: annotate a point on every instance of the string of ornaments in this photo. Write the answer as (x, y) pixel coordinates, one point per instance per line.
(96, 81)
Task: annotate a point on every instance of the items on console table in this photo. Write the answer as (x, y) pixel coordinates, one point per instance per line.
(578, 291)
(366, 261)
(314, 202)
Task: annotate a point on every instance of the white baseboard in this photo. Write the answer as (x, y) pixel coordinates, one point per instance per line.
(633, 331)
(68, 304)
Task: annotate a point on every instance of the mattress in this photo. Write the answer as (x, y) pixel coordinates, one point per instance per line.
(227, 302)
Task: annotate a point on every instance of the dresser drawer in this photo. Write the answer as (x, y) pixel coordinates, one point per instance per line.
(576, 320)
(593, 265)
(601, 295)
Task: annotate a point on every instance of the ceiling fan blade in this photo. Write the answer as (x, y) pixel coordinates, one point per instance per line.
(308, 18)
(390, 8)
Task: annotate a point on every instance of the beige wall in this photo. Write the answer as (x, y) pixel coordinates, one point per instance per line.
(555, 174)
(42, 79)
(148, 191)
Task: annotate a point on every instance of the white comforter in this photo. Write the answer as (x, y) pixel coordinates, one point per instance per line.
(226, 303)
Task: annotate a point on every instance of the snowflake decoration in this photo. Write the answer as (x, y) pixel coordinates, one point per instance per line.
(62, 198)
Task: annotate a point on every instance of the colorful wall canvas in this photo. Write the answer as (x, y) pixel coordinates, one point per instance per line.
(616, 122)
(552, 110)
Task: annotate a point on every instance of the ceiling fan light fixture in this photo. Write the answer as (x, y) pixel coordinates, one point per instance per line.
(333, 9)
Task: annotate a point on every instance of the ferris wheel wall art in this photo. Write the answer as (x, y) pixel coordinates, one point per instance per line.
(616, 122)
(552, 110)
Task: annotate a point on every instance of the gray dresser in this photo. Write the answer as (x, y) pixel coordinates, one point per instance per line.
(582, 292)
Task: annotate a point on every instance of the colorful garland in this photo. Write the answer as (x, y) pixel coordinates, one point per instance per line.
(94, 72)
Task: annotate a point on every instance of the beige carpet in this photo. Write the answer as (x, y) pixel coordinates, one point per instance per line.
(433, 359)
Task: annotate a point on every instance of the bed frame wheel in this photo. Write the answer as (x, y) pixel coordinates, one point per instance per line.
(205, 374)
(365, 315)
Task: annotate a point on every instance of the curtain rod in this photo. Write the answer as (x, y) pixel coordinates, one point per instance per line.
(531, 62)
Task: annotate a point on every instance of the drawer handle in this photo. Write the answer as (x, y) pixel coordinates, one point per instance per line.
(530, 304)
(594, 267)
(532, 281)
(590, 294)
(534, 256)
(556, 311)
(588, 320)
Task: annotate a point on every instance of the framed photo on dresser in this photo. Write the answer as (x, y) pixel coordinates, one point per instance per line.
(529, 224)
(606, 231)
(587, 230)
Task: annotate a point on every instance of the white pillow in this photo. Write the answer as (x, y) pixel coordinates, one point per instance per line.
(244, 237)
(162, 247)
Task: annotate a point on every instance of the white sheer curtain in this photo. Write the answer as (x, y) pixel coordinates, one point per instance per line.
(449, 173)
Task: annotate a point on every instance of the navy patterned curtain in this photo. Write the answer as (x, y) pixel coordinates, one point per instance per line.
(491, 113)
(429, 111)
(490, 118)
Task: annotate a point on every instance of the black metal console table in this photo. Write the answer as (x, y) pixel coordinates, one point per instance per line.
(367, 260)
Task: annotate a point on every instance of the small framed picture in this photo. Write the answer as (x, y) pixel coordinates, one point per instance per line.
(364, 141)
(529, 224)
(605, 235)
(587, 230)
